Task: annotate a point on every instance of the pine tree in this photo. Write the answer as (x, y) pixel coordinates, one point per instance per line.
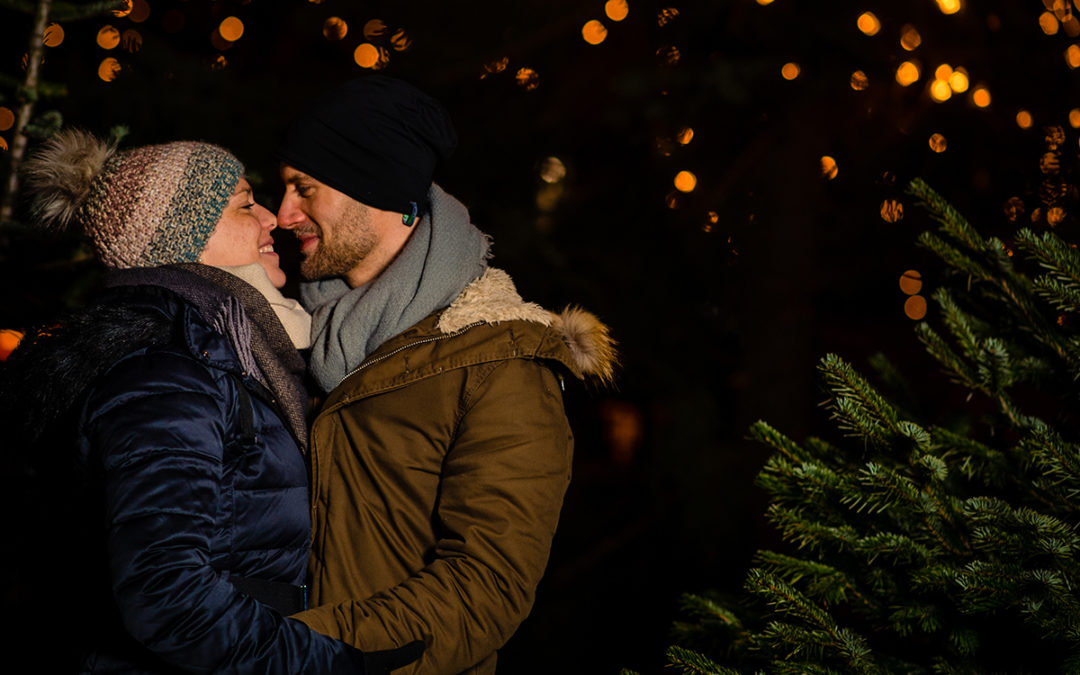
(922, 547)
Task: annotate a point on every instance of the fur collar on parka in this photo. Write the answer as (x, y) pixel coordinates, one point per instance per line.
(493, 298)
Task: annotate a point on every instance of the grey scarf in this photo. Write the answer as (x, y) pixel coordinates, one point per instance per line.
(443, 255)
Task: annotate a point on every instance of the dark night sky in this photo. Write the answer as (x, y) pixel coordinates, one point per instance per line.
(719, 326)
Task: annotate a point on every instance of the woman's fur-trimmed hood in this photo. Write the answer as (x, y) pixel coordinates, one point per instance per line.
(493, 298)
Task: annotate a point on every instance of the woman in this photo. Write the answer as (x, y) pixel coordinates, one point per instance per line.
(169, 418)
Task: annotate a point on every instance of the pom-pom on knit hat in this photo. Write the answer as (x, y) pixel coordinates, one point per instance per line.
(151, 205)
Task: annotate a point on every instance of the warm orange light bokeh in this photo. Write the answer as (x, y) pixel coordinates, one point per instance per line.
(685, 181)
(949, 6)
(790, 71)
(915, 307)
(108, 69)
(108, 37)
(527, 78)
(616, 10)
(940, 91)
(892, 211)
(366, 55)
(938, 143)
(910, 282)
(231, 28)
(400, 40)
(140, 11)
(943, 72)
(552, 170)
(959, 81)
(1074, 118)
(594, 32)
(907, 73)
(1072, 56)
(685, 135)
(910, 38)
(1049, 23)
(131, 41)
(7, 119)
(1024, 119)
(868, 23)
(124, 9)
(374, 28)
(829, 169)
(9, 340)
(54, 35)
(981, 97)
(335, 28)
(859, 81)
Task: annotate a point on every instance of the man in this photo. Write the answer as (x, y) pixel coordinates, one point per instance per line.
(442, 453)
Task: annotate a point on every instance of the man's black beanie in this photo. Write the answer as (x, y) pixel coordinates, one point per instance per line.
(375, 138)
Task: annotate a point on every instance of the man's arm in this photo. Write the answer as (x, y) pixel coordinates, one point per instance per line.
(502, 488)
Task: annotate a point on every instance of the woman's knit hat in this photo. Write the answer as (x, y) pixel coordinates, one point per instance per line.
(152, 205)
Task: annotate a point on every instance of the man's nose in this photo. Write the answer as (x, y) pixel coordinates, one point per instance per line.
(288, 215)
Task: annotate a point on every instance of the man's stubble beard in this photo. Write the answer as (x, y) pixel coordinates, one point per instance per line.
(351, 239)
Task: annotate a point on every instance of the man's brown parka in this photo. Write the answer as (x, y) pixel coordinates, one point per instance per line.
(439, 467)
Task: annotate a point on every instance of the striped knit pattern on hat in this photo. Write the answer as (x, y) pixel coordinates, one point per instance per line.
(159, 204)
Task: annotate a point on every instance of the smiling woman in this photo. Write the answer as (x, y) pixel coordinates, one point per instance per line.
(176, 401)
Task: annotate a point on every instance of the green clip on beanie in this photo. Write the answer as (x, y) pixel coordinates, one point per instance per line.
(375, 138)
(151, 205)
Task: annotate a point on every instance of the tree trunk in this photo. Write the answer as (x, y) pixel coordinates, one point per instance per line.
(26, 108)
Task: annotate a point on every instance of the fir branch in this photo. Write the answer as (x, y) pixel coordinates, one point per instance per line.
(943, 212)
(899, 548)
(704, 608)
(795, 527)
(857, 407)
(694, 663)
(958, 369)
(762, 432)
(823, 582)
(953, 256)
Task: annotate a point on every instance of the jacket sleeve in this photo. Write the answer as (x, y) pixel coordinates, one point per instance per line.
(502, 488)
(156, 426)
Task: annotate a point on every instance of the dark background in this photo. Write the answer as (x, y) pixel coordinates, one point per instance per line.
(719, 323)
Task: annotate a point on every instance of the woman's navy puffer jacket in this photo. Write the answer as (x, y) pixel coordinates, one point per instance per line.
(185, 496)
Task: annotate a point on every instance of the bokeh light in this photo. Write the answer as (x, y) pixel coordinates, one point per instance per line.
(868, 23)
(335, 28)
(829, 169)
(949, 6)
(711, 219)
(907, 73)
(859, 81)
(940, 91)
(685, 181)
(3, 144)
(1074, 118)
(669, 55)
(981, 97)
(108, 69)
(910, 38)
(231, 28)
(764, 2)
(943, 72)
(616, 10)
(685, 135)
(140, 11)
(915, 307)
(1055, 216)
(552, 170)
(958, 80)
(1024, 120)
(494, 67)
(527, 78)
(1072, 56)
(1049, 23)
(131, 41)
(1013, 209)
(892, 211)
(666, 16)
(790, 71)
(374, 29)
(400, 40)
(124, 9)
(54, 35)
(7, 119)
(594, 32)
(366, 55)
(9, 340)
(938, 143)
(910, 282)
(108, 37)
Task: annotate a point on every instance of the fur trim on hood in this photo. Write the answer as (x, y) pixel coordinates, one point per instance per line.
(493, 298)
